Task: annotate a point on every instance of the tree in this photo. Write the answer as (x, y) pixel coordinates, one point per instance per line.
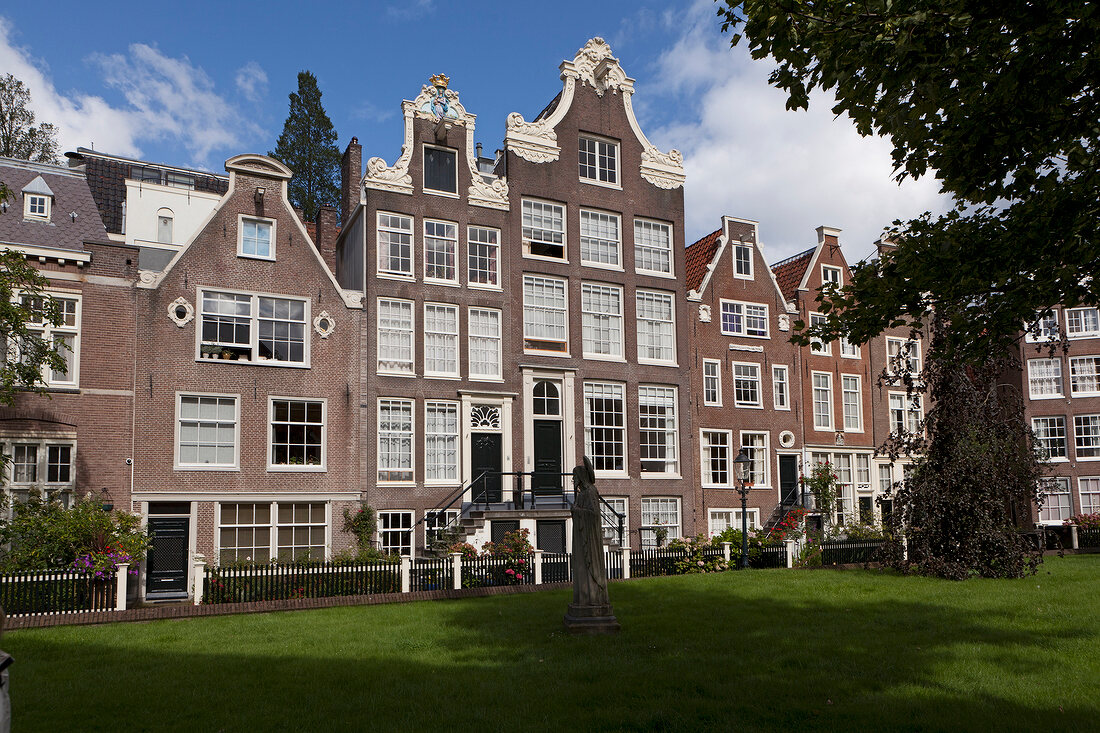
(19, 137)
(1000, 102)
(308, 147)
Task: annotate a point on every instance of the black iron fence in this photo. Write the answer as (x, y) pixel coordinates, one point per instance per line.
(847, 552)
(278, 582)
(56, 591)
(1088, 538)
(481, 572)
(431, 574)
(557, 567)
(651, 563)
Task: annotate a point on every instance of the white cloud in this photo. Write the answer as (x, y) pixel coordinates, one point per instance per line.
(165, 98)
(410, 9)
(746, 155)
(251, 81)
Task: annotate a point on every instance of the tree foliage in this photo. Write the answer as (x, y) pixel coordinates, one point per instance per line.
(24, 308)
(999, 101)
(19, 136)
(308, 147)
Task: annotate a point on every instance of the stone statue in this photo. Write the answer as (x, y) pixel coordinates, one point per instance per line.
(590, 612)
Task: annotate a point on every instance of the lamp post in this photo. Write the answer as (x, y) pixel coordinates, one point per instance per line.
(743, 463)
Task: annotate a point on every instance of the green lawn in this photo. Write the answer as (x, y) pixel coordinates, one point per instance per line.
(761, 649)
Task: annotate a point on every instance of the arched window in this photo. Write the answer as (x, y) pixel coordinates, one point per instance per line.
(164, 226)
(546, 399)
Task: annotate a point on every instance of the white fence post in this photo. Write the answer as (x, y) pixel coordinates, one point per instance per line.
(626, 562)
(406, 574)
(1073, 536)
(199, 572)
(537, 562)
(905, 548)
(726, 551)
(120, 586)
(790, 552)
(456, 570)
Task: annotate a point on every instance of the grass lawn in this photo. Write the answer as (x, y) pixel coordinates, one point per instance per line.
(762, 649)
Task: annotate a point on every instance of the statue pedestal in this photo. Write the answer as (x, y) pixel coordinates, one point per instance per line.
(591, 620)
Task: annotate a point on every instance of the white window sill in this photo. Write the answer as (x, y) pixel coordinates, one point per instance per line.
(296, 468)
(656, 362)
(765, 337)
(444, 194)
(483, 286)
(601, 184)
(528, 256)
(612, 474)
(1046, 397)
(645, 475)
(405, 375)
(743, 277)
(204, 467)
(537, 352)
(652, 273)
(712, 404)
(748, 407)
(395, 276)
(433, 375)
(602, 266)
(264, 258)
(444, 283)
(497, 380)
(601, 357)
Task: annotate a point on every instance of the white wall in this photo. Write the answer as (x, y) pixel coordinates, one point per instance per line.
(144, 199)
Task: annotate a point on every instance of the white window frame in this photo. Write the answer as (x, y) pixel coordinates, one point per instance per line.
(894, 347)
(617, 242)
(845, 392)
(606, 390)
(595, 322)
(42, 447)
(832, 274)
(275, 549)
(817, 346)
(715, 379)
(754, 378)
(648, 529)
(739, 309)
(51, 333)
(448, 340)
(1092, 505)
(449, 226)
(640, 224)
(561, 283)
(433, 462)
(649, 330)
(1084, 314)
(527, 232)
(475, 240)
(620, 504)
(781, 399)
(431, 523)
(396, 332)
(300, 467)
(827, 387)
(396, 435)
(1064, 511)
(254, 327)
(668, 396)
(473, 337)
(913, 409)
(424, 171)
(848, 350)
(707, 460)
(241, 221)
(764, 460)
(737, 248)
(394, 226)
(1036, 381)
(178, 464)
(1047, 328)
(29, 201)
(1045, 429)
(732, 520)
(384, 531)
(1093, 437)
(1075, 362)
(615, 170)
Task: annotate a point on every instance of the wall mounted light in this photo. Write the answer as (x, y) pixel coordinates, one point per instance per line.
(260, 196)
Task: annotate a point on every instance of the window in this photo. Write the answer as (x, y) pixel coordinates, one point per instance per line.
(843, 466)
(719, 520)
(599, 160)
(36, 207)
(756, 448)
(712, 382)
(395, 533)
(395, 440)
(485, 344)
(652, 247)
(1084, 376)
(847, 349)
(781, 398)
(394, 244)
(544, 315)
(146, 175)
(546, 399)
(441, 442)
(601, 321)
(604, 426)
(657, 422)
(395, 336)
(746, 385)
(483, 249)
(440, 170)
(24, 464)
(1057, 503)
(31, 461)
(742, 260)
(659, 513)
(206, 431)
(297, 434)
(440, 251)
(254, 327)
(852, 402)
(246, 532)
(610, 522)
(831, 276)
(903, 356)
(1086, 436)
(437, 524)
(656, 328)
(1090, 495)
(164, 226)
(1043, 328)
(59, 464)
(716, 457)
(544, 229)
(863, 470)
(257, 238)
(600, 241)
(1082, 322)
(823, 401)
(744, 319)
(817, 346)
(65, 336)
(905, 413)
(1044, 378)
(179, 180)
(440, 340)
(1050, 436)
(885, 478)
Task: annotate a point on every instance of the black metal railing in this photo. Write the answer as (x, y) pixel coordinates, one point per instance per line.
(847, 552)
(1088, 538)
(651, 563)
(614, 565)
(433, 573)
(772, 556)
(43, 592)
(479, 572)
(276, 582)
(557, 567)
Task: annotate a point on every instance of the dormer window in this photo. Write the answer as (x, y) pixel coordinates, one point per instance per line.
(440, 170)
(742, 260)
(37, 207)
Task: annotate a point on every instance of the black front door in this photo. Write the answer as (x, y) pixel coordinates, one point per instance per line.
(788, 479)
(166, 570)
(485, 467)
(550, 535)
(546, 480)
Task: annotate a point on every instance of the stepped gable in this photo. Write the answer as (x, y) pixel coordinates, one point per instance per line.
(698, 256)
(789, 272)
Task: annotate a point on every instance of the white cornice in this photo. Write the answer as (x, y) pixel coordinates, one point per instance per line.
(45, 254)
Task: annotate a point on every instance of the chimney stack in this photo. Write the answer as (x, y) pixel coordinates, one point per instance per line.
(328, 229)
(351, 175)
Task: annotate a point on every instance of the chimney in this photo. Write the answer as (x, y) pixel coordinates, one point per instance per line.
(828, 235)
(328, 229)
(351, 175)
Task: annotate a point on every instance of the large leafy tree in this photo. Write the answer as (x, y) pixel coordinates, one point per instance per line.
(19, 136)
(308, 147)
(1000, 102)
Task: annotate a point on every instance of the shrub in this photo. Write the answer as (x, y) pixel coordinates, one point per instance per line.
(362, 525)
(865, 531)
(1085, 521)
(694, 561)
(514, 548)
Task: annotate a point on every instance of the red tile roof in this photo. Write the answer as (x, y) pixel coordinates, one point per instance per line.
(789, 272)
(698, 256)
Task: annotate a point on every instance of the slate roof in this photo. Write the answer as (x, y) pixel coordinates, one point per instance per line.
(698, 256)
(70, 193)
(789, 272)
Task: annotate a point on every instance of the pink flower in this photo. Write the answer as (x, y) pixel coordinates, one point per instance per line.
(519, 576)
(509, 571)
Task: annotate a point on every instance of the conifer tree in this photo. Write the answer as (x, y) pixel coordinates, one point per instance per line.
(19, 136)
(308, 147)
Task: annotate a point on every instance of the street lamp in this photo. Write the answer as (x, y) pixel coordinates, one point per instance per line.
(743, 465)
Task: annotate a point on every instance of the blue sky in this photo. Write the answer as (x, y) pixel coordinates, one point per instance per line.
(195, 83)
